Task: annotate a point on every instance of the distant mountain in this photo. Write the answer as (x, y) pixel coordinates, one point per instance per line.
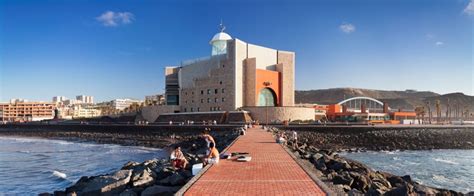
(406, 100)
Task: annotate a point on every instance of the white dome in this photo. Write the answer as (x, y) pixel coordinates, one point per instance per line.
(220, 36)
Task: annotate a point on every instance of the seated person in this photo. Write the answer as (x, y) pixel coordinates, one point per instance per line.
(178, 161)
(281, 138)
(213, 155)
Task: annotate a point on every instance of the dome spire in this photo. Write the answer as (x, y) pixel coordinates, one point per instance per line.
(221, 26)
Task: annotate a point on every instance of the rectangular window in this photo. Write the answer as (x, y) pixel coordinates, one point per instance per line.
(192, 109)
(208, 91)
(208, 100)
(215, 91)
(202, 100)
(198, 109)
(223, 99)
(223, 91)
(202, 92)
(215, 100)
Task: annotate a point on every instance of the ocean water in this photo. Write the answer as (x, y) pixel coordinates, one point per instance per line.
(29, 166)
(449, 169)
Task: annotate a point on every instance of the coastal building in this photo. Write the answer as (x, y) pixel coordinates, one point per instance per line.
(80, 112)
(85, 99)
(59, 99)
(121, 104)
(155, 99)
(22, 111)
(238, 74)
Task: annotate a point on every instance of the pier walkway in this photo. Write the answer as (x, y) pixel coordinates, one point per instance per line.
(272, 171)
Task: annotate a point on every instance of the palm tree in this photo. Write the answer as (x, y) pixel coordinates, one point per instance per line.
(438, 111)
(429, 111)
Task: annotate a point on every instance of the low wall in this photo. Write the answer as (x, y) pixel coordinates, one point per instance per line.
(151, 113)
(280, 113)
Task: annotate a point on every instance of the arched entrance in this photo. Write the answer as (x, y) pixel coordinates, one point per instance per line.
(267, 97)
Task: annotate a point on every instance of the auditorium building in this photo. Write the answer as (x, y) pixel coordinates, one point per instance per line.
(237, 76)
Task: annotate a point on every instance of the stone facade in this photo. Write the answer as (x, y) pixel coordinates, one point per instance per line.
(280, 113)
(235, 79)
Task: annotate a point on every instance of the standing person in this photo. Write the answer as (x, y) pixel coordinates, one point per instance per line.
(209, 139)
(294, 139)
(178, 161)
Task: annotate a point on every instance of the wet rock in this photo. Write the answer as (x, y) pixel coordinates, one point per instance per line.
(404, 190)
(396, 181)
(97, 185)
(320, 165)
(128, 192)
(173, 180)
(343, 179)
(338, 164)
(59, 193)
(143, 178)
(159, 190)
(130, 165)
(361, 182)
(421, 189)
(407, 178)
(315, 157)
(355, 192)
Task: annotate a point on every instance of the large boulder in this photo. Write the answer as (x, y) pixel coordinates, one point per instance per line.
(338, 165)
(173, 180)
(130, 165)
(102, 185)
(404, 190)
(144, 177)
(361, 182)
(343, 179)
(159, 190)
(128, 192)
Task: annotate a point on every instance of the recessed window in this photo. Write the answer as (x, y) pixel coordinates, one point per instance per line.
(220, 82)
(208, 100)
(192, 101)
(223, 99)
(192, 93)
(184, 109)
(223, 91)
(202, 92)
(186, 93)
(215, 100)
(219, 108)
(215, 91)
(192, 109)
(223, 65)
(202, 100)
(208, 91)
(210, 108)
(198, 109)
(185, 101)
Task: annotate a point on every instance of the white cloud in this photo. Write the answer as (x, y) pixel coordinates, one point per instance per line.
(469, 8)
(112, 19)
(438, 43)
(347, 28)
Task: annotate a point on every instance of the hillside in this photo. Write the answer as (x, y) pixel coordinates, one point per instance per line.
(406, 100)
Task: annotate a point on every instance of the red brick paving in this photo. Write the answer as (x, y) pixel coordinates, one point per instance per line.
(270, 172)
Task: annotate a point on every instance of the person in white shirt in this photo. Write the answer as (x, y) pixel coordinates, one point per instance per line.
(294, 139)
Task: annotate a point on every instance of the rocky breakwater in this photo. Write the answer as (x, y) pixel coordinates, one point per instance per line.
(151, 177)
(386, 138)
(354, 178)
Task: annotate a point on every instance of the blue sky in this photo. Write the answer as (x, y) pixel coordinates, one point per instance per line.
(118, 49)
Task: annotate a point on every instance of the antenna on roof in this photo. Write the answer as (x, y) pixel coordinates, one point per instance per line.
(221, 26)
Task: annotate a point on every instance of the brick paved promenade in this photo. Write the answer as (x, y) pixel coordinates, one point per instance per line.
(272, 171)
